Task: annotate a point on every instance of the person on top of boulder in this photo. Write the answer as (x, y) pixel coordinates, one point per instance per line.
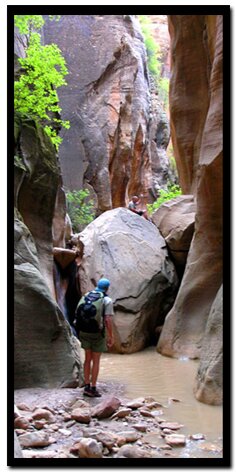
(136, 206)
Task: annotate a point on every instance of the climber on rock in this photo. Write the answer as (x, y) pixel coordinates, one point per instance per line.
(136, 205)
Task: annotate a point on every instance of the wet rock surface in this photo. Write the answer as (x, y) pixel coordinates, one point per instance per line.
(62, 423)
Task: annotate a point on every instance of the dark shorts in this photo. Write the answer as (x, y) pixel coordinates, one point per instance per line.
(93, 341)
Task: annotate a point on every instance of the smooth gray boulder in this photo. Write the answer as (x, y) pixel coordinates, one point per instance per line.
(130, 251)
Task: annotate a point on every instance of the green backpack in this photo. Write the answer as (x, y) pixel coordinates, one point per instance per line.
(89, 314)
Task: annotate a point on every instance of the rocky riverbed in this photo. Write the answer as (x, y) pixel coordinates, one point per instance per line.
(63, 423)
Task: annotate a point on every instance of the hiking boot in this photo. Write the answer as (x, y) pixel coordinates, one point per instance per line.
(94, 392)
(87, 391)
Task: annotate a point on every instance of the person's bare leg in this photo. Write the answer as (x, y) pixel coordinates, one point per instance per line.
(87, 366)
(95, 368)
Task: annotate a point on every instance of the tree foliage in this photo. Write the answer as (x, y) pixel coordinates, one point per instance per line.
(43, 72)
(152, 48)
(28, 23)
(154, 59)
(80, 208)
(172, 191)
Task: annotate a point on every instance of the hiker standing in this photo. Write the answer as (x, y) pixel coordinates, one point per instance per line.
(95, 341)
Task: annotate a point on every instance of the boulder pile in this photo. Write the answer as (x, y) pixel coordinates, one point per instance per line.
(68, 426)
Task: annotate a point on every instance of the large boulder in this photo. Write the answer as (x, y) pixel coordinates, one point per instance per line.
(209, 383)
(130, 251)
(175, 220)
(46, 353)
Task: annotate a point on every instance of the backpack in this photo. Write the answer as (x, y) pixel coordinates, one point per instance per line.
(89, 313)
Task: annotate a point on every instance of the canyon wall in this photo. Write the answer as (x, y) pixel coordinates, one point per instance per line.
(112, 143)
(196, 124)
(46, 354)
(109, 147)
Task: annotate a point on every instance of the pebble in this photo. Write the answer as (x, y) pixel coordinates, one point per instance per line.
(135, 404)
(130, 451)
(35, 439)
(175, 440)
(65, 432)
(130, 436)
(23, 407)
(140, 427)
(21, 422)
(39, 414)
(146, 413)
(121, 413)
(165, 447)
(210, 447)
(197, 437)
(171, 425)
(89, 448)
(134, 429)
(82, 416)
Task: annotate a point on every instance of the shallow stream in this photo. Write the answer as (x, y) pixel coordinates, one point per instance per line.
(147, 373)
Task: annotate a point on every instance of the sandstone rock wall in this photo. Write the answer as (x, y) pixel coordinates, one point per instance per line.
(175, 220)
(208, 386)
(36, 189)
(189, 93)
(107, 101)
(196, 120)
(46, 353)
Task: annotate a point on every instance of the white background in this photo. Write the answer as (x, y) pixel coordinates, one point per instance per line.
(3, 211)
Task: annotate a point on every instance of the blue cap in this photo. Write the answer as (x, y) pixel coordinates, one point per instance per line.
(103, 284)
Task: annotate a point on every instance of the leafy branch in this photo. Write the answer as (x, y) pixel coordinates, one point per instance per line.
(154, 59)
(43, 72)
(170, 193)
(80, 208)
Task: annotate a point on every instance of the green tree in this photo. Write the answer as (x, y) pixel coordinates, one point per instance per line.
(152, 48)
(154, 60)
(28, 23)
(80, 208)
(172, 191)
(43, 72)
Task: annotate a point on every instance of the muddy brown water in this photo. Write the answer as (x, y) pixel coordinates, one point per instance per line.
(143, 374)
(149, 373)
